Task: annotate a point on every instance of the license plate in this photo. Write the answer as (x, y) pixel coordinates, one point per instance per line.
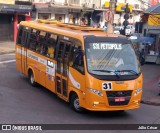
(119, 99)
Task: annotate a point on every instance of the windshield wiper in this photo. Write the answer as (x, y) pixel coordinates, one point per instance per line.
(118, 71)
(131, 71)
(109, 71)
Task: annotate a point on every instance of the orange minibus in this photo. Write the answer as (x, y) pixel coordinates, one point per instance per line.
(82, 65)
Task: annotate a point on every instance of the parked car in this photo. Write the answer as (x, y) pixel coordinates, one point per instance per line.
(117, 30)
(135, 39)
(137, 35)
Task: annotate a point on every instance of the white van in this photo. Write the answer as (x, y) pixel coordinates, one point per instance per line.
(130, 29)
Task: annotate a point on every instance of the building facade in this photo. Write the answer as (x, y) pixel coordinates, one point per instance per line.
(68, 11)
(11, 13)
(151, 28)
(90, 12)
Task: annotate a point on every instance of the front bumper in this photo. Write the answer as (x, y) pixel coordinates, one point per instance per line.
(107, 102)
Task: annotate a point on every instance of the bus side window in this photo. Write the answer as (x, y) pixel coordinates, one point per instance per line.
(38, 48)
(24, 38)
(33, 39)
(77, 59)
(41, 38)
(51, 43)
(19, 37)
(61, 49)
(44, 49)
(43, 43)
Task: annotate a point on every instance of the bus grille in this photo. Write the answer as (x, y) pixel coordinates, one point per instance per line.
(124, 97)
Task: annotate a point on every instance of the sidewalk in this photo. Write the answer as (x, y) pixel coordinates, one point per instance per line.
(7, 47)
(151, 74)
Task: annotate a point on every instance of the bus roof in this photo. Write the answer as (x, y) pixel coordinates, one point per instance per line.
(69, 30)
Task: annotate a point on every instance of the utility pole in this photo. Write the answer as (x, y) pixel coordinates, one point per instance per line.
(126, 17)
(110, 27)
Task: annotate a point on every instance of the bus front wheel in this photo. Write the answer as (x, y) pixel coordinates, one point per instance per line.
(32, 79)
(74, 102)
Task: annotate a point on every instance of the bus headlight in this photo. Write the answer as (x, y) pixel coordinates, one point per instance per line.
(137, 91)
(99, 93)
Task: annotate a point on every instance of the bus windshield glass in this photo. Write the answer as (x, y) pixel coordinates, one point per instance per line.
(110, 58)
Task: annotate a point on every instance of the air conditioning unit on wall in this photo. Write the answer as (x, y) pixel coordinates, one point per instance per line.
(136, 6)
(88, 5)
(93, 6)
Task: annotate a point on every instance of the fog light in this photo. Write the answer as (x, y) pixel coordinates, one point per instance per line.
(95, 103)
(136, 102)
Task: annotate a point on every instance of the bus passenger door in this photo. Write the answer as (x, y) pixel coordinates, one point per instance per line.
(25, 41)
(62, 69)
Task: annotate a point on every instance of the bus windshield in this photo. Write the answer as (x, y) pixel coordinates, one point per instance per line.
(110, 58)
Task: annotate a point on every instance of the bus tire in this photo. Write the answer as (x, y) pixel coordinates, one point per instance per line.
(32, 79)
(74, 103)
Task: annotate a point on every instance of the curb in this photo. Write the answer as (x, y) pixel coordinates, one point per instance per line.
(7, 52)
(150, 103)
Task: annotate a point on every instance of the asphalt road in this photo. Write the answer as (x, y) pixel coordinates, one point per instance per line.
(21, 103)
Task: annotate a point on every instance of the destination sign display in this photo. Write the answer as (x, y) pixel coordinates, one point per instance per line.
(107, 46)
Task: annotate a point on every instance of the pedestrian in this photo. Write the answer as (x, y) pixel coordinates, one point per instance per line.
(60, 19)
(99, 25)
(83, 22)
(74, 20)
(104, 28)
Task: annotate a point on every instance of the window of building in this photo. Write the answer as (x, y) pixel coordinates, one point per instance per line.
(44, 15)
(136, 6)
(75, 2)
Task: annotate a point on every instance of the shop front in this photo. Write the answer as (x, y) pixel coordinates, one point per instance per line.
(6, 27)
(12, 15)
(154, 31)
(74, 15)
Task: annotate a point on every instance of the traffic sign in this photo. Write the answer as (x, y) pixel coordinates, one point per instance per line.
(109, 16)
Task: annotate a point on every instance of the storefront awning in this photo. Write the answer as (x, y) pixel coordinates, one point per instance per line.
(15, 8)
(149, 40)
(120, 7)
(154, 20)
(154, 31)
(153, 9)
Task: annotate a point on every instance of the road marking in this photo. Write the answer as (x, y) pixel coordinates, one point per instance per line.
(8, 61)
(10, 54)
(7, 54)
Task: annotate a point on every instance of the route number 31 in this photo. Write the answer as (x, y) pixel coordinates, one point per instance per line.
(107, 86)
